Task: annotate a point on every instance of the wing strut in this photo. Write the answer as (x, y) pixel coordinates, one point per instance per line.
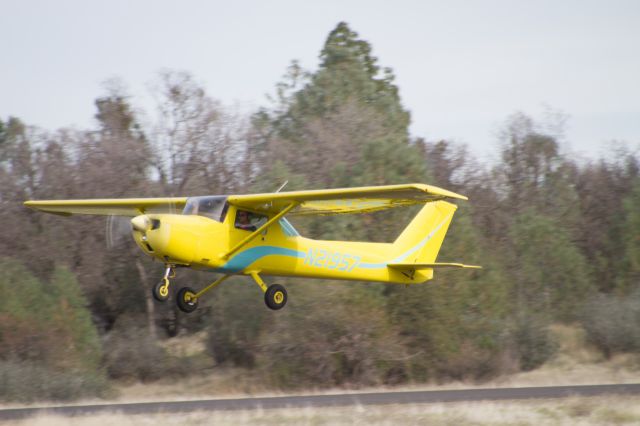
(431, 265)
(259, 230)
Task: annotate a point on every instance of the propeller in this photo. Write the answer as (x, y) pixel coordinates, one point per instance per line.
(119, 228)
(118, 231)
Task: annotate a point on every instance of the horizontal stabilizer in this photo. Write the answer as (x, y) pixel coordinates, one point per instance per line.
(431, 265)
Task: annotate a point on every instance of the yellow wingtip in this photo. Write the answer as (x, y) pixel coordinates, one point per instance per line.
(444, 192)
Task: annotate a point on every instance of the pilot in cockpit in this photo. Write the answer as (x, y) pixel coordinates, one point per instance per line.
(243, 221)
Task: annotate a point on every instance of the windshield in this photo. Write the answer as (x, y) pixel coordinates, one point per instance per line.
(214, 207)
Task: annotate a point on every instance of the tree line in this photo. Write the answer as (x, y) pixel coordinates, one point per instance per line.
(559, 240)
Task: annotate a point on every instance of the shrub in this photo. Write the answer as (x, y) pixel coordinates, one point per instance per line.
(28, 382)
(613, 324)
(131, 353)
(533, 342)
(233, 334)
(332, 335)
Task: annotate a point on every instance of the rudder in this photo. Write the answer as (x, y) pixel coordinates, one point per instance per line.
(421, 240)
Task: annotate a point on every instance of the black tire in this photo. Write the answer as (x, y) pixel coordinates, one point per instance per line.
(275, 297)
(184, 299)
(160, 292)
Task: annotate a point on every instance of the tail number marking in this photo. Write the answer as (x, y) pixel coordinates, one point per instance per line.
(331, 260)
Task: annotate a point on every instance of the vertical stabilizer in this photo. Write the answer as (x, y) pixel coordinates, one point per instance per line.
(421, 240)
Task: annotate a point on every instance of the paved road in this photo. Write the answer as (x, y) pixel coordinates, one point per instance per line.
(413, 397)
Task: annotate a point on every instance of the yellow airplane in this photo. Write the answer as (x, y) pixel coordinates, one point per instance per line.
(249, 235)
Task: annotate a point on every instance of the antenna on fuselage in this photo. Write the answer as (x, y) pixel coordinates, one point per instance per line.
(282, 186)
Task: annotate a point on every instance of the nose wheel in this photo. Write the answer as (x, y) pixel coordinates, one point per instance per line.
(160, 291)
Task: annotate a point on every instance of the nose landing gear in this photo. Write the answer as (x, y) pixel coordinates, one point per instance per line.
(161, 290)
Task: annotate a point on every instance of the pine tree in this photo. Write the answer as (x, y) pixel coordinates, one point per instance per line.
(631, 239)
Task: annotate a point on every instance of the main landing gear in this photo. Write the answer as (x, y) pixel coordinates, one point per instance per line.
(275, 295)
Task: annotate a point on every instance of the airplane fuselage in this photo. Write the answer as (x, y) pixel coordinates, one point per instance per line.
(203, 243)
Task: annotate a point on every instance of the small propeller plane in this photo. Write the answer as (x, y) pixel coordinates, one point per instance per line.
(249, 235)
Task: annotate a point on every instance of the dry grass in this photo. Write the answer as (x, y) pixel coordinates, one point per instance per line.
(570, 411)
(575, 363)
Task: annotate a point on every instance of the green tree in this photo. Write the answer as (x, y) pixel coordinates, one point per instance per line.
(534, 173)
(46, 329)
(456, 325)
(631, 239)
(114, 162)
(47, 322)
(550, 274)
(342, 125)
(343, 110)
(602, 187)
(331, 334)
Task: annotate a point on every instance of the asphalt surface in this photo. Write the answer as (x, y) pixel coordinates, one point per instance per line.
(381, 398)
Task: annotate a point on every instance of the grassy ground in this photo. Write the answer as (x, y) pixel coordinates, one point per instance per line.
(570, 411)
(575, 363)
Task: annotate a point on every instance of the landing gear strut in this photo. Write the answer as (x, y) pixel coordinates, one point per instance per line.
(161, 290)
(187, 298)
(275, 295)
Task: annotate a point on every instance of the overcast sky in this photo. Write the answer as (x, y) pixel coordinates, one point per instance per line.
(462, 66)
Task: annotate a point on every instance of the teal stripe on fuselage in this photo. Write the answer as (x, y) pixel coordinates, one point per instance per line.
(409, 252)
(245, 258)
(372, 265)
(420, 244)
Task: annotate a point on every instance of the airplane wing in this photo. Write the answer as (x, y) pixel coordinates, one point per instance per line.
(116, 207)
(343, 200)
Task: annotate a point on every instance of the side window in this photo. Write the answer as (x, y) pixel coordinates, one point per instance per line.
(287, 228)
(249, 221)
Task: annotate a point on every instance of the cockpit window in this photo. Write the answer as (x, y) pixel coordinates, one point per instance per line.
(212, 207)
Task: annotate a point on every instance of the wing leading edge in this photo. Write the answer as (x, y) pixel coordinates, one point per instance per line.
(115, 207)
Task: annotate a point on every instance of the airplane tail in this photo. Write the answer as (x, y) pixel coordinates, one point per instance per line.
(418, 245)
(420, 241)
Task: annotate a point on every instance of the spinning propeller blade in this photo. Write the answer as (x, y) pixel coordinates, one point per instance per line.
(118, 230)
